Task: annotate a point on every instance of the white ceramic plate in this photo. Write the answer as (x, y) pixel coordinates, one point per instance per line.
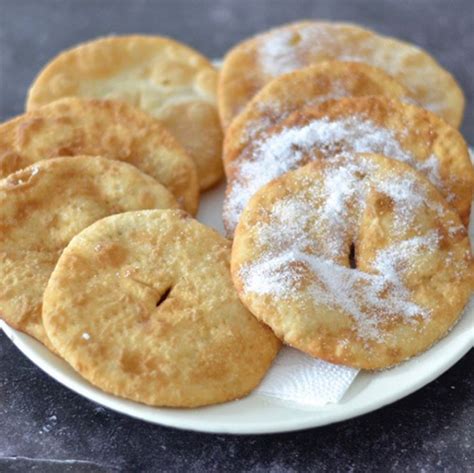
(257, 414)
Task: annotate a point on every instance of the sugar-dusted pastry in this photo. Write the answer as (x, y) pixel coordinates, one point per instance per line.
(143, 306)
(304, 87)
(115, 130)
(359, 262)
(165, 78)
(42, 207)
(255, 61)
(355, 124)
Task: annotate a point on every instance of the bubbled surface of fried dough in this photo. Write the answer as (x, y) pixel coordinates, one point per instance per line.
(114, 130)
(42, 207)
(142, 305)
(161, 76)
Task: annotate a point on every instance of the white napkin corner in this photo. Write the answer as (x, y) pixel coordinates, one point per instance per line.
(299, 379)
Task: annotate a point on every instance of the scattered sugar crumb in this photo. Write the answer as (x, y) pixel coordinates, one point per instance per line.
(49, 425)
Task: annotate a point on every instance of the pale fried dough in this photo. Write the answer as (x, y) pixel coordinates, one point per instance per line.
(110, 129)
(143, 306)
(159, 75)
(42, 207)
(359, 262)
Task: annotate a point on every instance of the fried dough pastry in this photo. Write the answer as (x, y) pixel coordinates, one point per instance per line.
(355, 124)
(359, 262)
(304, 87)
(161, 76)
(255, 61)
(143, 306)
(115, 130)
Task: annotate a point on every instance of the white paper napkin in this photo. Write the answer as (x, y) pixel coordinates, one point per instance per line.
(298, 378)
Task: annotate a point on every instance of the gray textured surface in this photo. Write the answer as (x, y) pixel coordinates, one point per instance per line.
(42, 423)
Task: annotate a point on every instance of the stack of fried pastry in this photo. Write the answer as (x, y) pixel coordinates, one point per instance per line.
(349, 191)
(348, 195)
(100, 259)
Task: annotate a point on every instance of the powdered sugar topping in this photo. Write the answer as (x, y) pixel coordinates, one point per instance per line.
(278, 54)
(275, 111)
(307, 238)
(287, 49)
(273, 155)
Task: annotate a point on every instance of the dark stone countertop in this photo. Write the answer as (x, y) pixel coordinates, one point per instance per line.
(42, 424)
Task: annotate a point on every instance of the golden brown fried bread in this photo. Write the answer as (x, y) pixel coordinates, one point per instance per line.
(143, 306)
(359, 262)
(355, 124)
(304, 87)
(162, 77)
(254, 62)
(43, 206)
(110, 129)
